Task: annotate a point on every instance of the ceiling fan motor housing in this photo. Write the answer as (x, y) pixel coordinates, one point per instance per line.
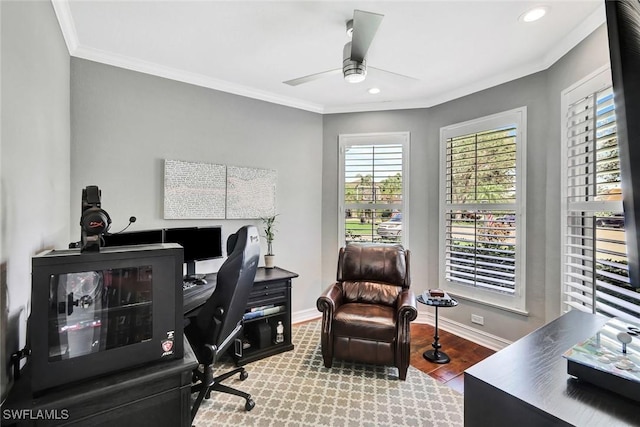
(353, 71)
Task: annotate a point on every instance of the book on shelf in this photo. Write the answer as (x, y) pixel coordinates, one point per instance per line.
(261, 307)
(263, 312)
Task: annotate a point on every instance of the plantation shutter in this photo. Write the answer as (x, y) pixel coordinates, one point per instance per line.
(480, 215)
(596, 276)
(373, 190)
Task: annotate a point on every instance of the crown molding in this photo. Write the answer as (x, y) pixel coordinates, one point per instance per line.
(443, 97)
(151, 68)
(65, 19)
(575, 36)
(67, 26)
(588, 26)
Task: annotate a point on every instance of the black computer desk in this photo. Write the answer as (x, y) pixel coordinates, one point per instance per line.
(271, 293)
(196, 296)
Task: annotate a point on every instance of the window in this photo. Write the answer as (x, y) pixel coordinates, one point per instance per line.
(373, 188)
(482, 209)
(595, 273)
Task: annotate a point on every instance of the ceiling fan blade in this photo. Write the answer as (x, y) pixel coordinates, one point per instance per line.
(365, 26)
(391, 72)
(312, 77)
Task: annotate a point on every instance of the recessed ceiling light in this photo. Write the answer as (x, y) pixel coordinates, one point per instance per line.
(534, 14)
(373, 90)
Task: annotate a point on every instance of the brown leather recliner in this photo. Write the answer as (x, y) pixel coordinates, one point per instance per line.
(366, 313)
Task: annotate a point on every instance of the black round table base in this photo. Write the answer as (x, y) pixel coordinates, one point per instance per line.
(438, 357)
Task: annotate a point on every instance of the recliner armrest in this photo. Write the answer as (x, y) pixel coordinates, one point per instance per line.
(330, 299)
(406, 306)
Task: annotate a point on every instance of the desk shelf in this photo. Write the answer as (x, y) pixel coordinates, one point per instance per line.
(272, 287)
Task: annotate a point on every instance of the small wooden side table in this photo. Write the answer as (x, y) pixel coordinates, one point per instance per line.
(435, 355)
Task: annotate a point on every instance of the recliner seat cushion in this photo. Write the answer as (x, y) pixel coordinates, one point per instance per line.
(370, 292)
(366, 321)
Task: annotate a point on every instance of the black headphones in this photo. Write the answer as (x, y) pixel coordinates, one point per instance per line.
(94, 220)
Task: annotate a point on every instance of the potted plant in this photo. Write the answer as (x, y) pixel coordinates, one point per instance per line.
(269, 234)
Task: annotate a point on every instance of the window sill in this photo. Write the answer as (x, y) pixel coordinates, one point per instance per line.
(489, 304)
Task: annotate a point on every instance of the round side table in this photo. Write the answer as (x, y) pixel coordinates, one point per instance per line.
(436, 355)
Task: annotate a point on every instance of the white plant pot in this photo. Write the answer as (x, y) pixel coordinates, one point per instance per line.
(269, 261)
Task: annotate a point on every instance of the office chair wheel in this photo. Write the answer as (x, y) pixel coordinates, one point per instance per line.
(243, 376)
(250, 404)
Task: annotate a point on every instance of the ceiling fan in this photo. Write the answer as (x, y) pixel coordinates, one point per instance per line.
(362, 29)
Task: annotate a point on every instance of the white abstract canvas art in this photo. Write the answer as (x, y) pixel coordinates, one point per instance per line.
(194, 190)
(251, 193)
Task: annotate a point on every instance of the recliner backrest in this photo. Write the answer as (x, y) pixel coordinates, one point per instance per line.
(233, 286)
(373, 272)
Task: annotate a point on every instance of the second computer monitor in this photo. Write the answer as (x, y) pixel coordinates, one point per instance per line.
(199, 243)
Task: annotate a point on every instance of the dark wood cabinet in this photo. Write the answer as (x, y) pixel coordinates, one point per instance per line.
(156, 394)
(268, 304)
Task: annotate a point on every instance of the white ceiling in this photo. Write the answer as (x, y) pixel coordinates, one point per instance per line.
(452, 48)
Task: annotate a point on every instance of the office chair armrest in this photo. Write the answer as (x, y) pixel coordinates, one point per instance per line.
(330, 299)
(407, 310)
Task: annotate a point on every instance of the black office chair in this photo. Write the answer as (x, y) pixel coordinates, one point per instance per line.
(219, 322)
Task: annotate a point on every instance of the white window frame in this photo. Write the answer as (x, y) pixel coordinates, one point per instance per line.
(377, 138)
(515, 302)
(594, 82)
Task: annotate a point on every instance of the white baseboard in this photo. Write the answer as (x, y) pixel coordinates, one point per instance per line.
(472, 334)
(305, 315)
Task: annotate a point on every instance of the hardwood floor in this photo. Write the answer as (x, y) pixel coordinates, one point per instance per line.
(463, 354)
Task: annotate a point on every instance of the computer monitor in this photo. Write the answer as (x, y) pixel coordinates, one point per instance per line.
(142, 237)
(199, 243)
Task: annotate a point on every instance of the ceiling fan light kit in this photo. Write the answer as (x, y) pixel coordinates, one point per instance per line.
(355, 74)
(353, 71)
(362, 29)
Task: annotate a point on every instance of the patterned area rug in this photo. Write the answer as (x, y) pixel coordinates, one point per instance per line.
(295, 389)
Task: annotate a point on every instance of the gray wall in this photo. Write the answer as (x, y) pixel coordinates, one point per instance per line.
(124, 124)
(528, 91)
(540, 92)
(421, 166)
(34, 159)
(585, 58)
